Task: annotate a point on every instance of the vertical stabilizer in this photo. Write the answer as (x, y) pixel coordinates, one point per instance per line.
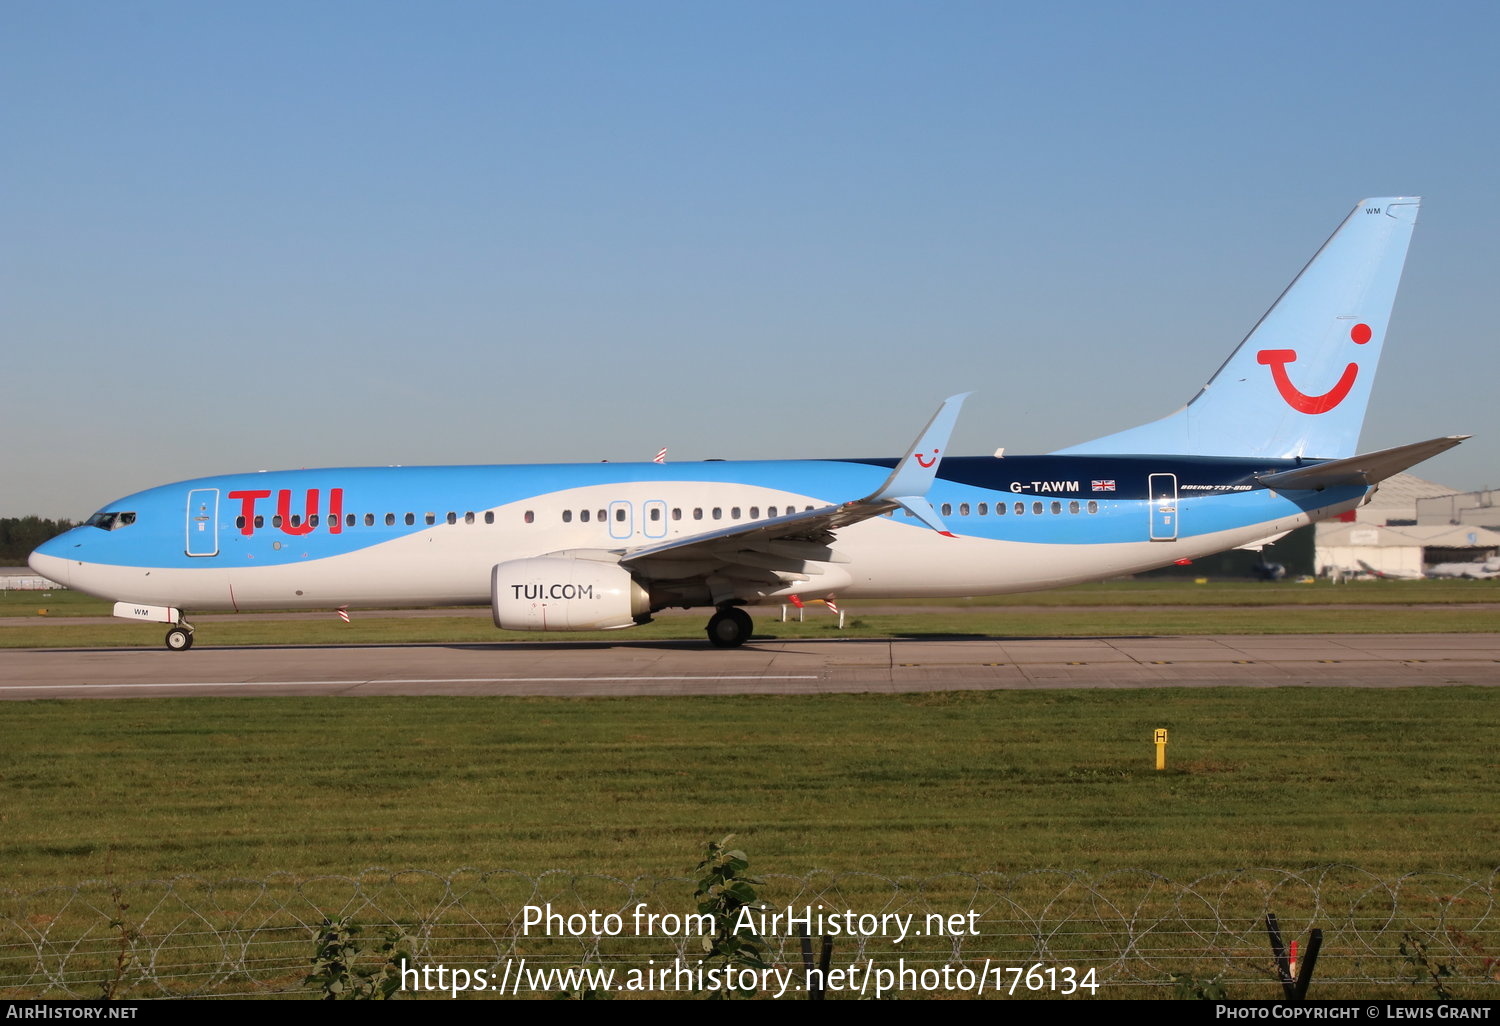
(1299, 383)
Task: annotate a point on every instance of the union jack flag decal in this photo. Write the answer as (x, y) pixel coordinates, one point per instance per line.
(1107, 485)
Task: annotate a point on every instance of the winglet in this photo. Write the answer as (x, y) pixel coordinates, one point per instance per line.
(917, 469)
(909, 482)
(906, 488)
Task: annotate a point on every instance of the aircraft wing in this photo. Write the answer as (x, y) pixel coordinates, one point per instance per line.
(1367, 469)
(769, 555)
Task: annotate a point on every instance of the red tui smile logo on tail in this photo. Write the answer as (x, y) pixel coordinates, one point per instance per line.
(1277, 359)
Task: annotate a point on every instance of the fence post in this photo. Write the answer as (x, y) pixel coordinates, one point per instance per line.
(1294, 989)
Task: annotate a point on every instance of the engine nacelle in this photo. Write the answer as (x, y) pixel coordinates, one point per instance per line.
(547, 593)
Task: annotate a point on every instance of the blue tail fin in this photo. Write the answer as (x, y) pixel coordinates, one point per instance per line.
(1299, 382)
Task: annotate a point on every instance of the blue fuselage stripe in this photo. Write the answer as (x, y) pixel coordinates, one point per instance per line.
(1211, 495)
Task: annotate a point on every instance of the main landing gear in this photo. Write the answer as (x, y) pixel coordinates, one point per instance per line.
(180, 638)
(730, 627)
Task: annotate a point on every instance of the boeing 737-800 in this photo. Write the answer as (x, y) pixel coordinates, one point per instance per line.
(1266, 446)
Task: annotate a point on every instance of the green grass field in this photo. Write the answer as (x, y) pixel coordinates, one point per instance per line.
(1394, 781)
(1294, 776)
(294, 796)
(1031, 784)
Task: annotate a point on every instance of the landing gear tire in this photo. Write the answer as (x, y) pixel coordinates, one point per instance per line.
(730, 628)
(179, 639)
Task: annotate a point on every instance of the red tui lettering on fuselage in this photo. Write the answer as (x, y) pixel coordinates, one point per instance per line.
(284, 519)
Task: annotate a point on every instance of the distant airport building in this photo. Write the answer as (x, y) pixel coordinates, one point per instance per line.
(1479, 508)
(1408, 528)
(23, 578)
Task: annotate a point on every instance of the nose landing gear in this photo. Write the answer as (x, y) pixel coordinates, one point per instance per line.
(180, 638)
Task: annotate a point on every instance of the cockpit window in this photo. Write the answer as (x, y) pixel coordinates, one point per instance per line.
(110, 520)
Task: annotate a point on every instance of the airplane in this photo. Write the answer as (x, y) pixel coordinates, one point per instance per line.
(1268, 445)
(1475, 570)
(1390, 575)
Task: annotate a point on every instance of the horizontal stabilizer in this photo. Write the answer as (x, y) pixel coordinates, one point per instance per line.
(1370, 468)
(1261, 543)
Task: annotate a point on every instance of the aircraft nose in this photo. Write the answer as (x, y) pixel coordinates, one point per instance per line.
(48, 563)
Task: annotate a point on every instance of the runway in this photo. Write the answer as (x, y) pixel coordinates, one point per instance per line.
(760, 667)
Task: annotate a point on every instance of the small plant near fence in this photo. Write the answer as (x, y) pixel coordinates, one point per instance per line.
(723, 890)
(338, 969)
(1425, 968)
(1187, 987)
(125, 960)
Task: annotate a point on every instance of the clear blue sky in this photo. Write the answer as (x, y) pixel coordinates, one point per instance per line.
(237, 236)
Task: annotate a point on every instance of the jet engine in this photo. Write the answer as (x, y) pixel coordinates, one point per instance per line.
(548, 593)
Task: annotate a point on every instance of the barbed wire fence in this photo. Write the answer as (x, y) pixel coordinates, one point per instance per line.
(1142, 934)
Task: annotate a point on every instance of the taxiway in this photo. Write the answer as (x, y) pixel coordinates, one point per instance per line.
(760, 667)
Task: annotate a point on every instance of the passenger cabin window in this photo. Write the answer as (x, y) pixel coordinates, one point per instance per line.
(348, 519)
(1073, 506)
(390, 520)
(734, 512)
(567, 516)
(947, 509)
(1093, 506)
(411, 518)
(1020, 508)
(1056, 507)
(469, 517)
(676, 512)
(984, 508)
(530, 517)
(489, 517)
(431, 518)
(1036, 508)
(452, 518)
(771, 512)
(583, 516)
(369, 519)
(754, 512)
